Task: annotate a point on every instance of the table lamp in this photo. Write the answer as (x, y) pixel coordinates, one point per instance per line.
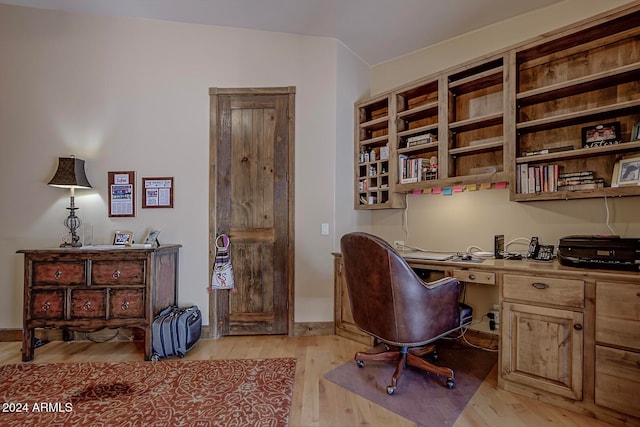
(70, 174)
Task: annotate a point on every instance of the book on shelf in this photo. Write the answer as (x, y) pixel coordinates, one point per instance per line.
(547, 179)
(547, 151)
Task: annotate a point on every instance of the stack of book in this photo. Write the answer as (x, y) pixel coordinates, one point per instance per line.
(419, 139)
(583, 180)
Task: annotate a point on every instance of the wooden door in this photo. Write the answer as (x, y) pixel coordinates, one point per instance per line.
(251, 200)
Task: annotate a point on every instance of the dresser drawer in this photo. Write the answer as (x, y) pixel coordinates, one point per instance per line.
(88, 304)
(59, 273)
(618, 314)
(126, 303)
(475, 276)
(544, 290)
(617, 380)
(47, 305)
(124, 272)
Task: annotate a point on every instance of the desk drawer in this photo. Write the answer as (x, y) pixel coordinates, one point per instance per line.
(475, 276)
(59, 273)
(544, 290)
(618, 314)
(130, 272)
(617, 380)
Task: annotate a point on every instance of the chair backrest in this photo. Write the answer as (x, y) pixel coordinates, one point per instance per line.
(388, 300)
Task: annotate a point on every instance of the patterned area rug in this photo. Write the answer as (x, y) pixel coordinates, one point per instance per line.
(252, 392)
(420, 397)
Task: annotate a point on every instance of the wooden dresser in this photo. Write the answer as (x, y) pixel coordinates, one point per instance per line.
(91, 288)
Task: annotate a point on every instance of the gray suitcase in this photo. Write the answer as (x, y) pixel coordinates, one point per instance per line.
(175, 331)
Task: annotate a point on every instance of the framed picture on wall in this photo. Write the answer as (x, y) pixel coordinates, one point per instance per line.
(122, 192)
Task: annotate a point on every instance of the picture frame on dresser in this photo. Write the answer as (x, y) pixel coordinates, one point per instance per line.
(124, 238)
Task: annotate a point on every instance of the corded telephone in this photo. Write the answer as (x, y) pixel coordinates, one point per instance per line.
(539, 252)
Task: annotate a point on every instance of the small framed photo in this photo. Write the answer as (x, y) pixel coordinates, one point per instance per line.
(626, 172)
(635, 132)
(124, 238)
(601, 135)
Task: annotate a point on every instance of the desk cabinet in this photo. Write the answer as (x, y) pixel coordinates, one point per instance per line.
(344, 324)
(617, 366)
(92, 288)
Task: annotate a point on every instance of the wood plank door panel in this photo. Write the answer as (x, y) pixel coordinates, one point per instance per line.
(253, 204)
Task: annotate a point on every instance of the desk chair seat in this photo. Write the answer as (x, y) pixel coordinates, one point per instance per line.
(391, 303)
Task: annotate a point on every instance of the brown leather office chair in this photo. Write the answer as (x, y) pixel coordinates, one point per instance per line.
(391, 303)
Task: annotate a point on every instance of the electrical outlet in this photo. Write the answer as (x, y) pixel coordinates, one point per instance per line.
(398, 244)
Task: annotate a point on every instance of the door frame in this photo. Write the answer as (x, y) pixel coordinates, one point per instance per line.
(215, 318)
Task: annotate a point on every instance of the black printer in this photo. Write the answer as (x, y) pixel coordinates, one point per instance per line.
(609, 252)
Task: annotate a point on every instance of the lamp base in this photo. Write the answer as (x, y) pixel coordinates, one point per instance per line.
(71, 245)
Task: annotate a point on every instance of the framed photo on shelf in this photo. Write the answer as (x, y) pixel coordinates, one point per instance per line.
(626, 171)
(635, 132)
(122, 194)
(158, 192)
(601, 135)
(124, 238)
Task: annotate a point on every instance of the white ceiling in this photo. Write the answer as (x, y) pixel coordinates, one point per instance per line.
(376, 30)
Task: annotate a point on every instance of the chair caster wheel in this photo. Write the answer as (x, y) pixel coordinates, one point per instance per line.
(390, 390)
(450, 383)
(360, 363)
(155, 357)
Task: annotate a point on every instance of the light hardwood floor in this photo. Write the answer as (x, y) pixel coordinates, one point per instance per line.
(316, 401)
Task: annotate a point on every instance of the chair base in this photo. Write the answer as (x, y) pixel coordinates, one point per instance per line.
(403, 357)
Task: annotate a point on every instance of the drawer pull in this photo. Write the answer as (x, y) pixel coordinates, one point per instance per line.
(46, 306)
(539, 285)
(116, 274)
(87, 305)
(125, 305)
(472, 276)
(58, 274)
(577, 327)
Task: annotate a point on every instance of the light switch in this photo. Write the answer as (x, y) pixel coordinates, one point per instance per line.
(325, 229)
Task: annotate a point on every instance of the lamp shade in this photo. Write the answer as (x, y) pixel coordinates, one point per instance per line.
(70, 174)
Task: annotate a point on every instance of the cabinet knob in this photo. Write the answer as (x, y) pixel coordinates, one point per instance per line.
(472, 276)
(87, 305)
(125, 305)
(46, 306)
(57, 274)
(116, 274)
(577, 327)
(539, 285)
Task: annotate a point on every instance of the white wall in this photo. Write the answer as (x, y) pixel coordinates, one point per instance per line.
(464, 219)
(132, 94)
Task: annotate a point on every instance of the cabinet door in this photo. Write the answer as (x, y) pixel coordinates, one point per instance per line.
(618, 314)
(542, 348)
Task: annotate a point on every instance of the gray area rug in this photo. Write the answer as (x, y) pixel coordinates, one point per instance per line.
(420, 397)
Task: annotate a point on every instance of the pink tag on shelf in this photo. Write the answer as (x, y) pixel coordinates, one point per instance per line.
(417, 192)
(458, 189)
(502, 184)
(436, 190)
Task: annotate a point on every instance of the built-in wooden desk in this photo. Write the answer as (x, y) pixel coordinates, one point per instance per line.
(568, 336)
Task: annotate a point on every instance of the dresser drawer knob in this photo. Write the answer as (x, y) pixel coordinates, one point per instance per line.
(58, 274)
(46, 306)
(472, 276)
(539, 285)
(125, 305)
(87, 306)
(116, 274)
(577, 327)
